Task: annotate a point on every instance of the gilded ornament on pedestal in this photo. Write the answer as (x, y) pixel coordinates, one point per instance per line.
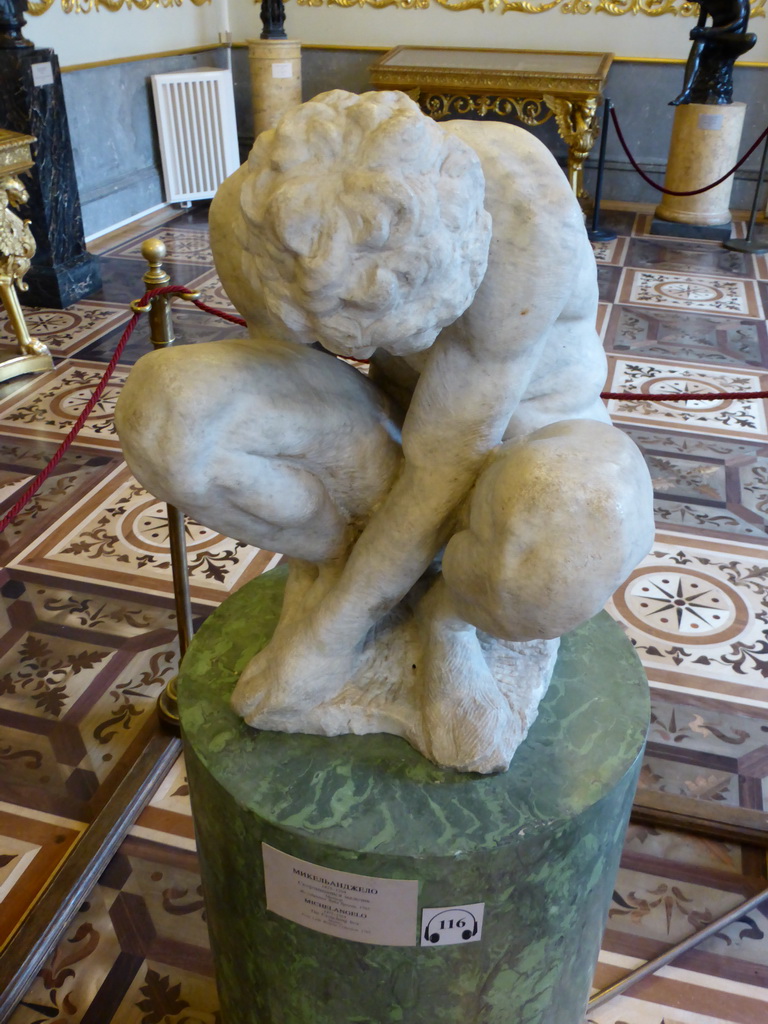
(17, 247)
(17, 244)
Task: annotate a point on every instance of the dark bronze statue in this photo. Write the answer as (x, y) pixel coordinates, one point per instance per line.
(709, 71)
(12, 21)
(273, 19)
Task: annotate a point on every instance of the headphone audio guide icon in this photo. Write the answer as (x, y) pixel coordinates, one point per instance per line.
(451, 926)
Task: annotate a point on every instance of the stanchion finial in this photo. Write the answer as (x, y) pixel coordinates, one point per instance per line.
(154, 252)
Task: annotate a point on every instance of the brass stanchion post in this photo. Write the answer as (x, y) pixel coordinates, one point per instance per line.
(161, 335)
(160, 323)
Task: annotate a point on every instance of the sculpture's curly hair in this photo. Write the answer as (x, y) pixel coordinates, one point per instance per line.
(365, 223)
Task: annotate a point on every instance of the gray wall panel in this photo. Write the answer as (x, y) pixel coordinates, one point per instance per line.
(114, 136)
(115, 140)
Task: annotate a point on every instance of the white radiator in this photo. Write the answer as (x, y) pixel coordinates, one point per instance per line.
(198, 133)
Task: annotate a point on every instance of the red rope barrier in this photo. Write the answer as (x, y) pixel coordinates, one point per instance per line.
(672, 192)
(88, 408)
(43, 475)
(142, 305)
(704, 396)
(220, 312)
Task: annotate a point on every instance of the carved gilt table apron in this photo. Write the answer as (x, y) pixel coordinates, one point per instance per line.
(531, 85)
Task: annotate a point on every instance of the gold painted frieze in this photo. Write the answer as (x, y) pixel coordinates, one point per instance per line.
(38, 7)
(652, 8)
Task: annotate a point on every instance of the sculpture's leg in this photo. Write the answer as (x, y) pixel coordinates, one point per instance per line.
(556, 521)
(515, 570)
(691, 70)
(274, 444)
(468, 723)
(578, 126)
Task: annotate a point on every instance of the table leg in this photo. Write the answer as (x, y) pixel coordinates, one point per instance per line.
(17, 247)
(33, 356)
(578, 126)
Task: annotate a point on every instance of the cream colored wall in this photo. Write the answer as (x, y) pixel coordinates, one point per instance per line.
(628, 35)
(99, 35)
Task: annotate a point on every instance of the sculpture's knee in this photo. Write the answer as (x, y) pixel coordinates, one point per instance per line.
(164, 408)
(556, 522)
(200, 428)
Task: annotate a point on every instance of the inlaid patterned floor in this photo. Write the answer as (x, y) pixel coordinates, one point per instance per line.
(88, 641)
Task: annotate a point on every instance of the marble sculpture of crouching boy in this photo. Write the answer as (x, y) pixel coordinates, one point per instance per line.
(449, 517)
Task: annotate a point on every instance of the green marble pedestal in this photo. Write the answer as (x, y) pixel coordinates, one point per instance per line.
(489, 894)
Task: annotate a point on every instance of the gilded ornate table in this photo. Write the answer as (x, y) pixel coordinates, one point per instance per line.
(532, 85)
(17, 247)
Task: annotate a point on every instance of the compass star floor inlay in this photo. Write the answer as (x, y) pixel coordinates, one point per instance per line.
(684, 606)
(698, 615)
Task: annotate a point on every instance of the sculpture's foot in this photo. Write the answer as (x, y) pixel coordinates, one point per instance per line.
(273, 713)
(465, 703)
(468, 723)
(287, 680)
(684, 97)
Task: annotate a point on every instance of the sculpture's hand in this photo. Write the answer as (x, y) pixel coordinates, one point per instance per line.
(298, 670)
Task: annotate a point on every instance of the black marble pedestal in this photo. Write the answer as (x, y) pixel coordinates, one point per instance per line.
(62, 271)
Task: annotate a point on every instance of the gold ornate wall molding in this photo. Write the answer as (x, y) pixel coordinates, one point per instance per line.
(406, 5)
(37, 7)
(652, 8)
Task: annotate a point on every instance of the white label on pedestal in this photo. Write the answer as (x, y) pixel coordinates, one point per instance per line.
(710, 122)
(452, 926)
(282, 69)
(42, 74)
(379, 911)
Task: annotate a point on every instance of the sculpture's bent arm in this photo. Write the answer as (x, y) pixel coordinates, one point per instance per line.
(476, 375)
(439, 469)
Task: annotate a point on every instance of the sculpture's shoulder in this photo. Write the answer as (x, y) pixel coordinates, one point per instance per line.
(508, 152)
(528, 196)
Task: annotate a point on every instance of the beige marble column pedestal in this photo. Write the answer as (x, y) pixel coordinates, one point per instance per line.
(705, 145)
(275, 79)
